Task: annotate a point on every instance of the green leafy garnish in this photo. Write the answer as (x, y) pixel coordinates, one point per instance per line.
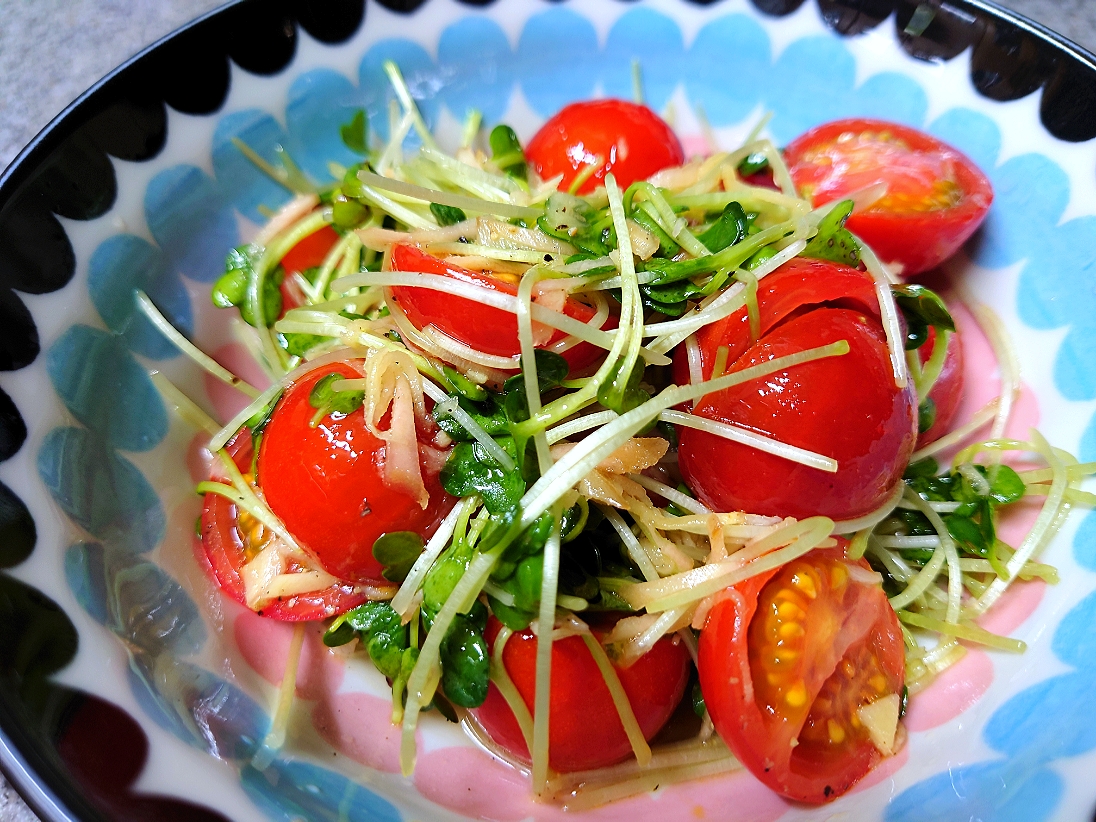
(471, 470)
(922, 308)
(753, 163)
(833, 241)
(397, 552)
(231, 289)
(447, 215)
(465, 662)
(355, 132)
(506, 151)
(326, 400)
(728, 229)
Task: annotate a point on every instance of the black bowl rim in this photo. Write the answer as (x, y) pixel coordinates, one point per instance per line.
(40, 797)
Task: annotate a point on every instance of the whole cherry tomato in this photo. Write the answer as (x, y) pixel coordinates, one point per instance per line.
(936, 197)
(787, 661)
(223, 551)
(584, 728)
(326, 483)
(486, 329)
(846, 407)
(947, 392)
(631, 141)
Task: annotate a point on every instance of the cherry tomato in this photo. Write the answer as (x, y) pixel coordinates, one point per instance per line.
(947, 392)
(584, 729)
(935, 198)
(846, 407)
(223, 551)
(326, 483)
(632, 141)
(308, 253)
(486, 329)
(785, 662)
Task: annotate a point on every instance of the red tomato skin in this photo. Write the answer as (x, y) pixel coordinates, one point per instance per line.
(326, 483)
(947, 391)
(632, 140)
(760, 737)
(584, 728)
(220, 551)
(917, 240)
(486, 329)
(846, 408)
(308, 253)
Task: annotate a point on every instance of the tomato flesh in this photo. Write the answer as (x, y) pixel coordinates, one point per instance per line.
(787, 658)
(308, 253)
(326, 483)
(490, 330)
(947, 392)
(223, 551)
(847, 407)
(936, 197)
(584, 729)
(631, 140)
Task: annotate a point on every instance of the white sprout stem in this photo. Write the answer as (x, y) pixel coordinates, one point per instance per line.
(403, 600)
(184, 406)
(921, 582)
(206, 362)
(529, 364)
(460, 201)
(981, 417)
(221, 438)
(546, 619)
(1006, 363)
(399, 85)
(951, 555)
(453, 409)
(682, 501)
(889, 313)
(580, 424)
(631, 314)
(623, 707)
(740, 435)
(631, 544)
(873, 518)
(275, 737)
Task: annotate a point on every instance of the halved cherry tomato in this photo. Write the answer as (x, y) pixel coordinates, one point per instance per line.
(846, 407)
(936, 197)
(631, 141)
(786, 660)
(584, 728)
(308, 253)
(486, 329)
(947, 392)
(222, 551)
(326, 483)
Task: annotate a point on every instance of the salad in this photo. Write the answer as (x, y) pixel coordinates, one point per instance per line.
(626, 461)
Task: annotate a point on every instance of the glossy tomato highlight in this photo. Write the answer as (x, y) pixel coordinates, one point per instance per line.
(936, 197)
(631, 141)
(787, 661)
(584, 728)
(326, 482)
(847, 408)
(490, 330)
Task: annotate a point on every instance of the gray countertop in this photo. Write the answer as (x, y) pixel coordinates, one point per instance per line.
(51, 50)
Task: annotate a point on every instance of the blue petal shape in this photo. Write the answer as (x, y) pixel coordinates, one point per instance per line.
(244, 184)
(418, 72)
(1084, 542)
(556, 60)
(973, 133)
(890, 96)
(1022, 213)
(101, 492)
(106, 389)
(737, 41)
(1075, 641)
(291, 791)
(654, 41)
(135, 599)
(120, 265)
(475, 64)
(997, 791)
(198, 707)
(190, 221)
(1039, 724)
(320, 102)
(809, 85)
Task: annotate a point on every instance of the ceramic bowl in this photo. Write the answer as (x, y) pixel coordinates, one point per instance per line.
(130, 689)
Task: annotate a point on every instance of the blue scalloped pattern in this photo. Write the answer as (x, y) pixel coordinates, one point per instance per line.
(729, 71)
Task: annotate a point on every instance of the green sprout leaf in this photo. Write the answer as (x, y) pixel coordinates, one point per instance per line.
(728, 229)
(326, 400)
(354, 133)
(447, 215)
(921, 308)
(397, 552)
(471, 470)
(465, 662)
(506, 151)
(753, 163)
(833, 241)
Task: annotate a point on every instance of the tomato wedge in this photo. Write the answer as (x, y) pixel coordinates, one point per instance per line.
(936, 197)
(222, 551)
(490, 330)
(787, 661)
(308, 253)
(326, 482)
(847, 408)
(584, 729)
(947, 392)
(631, 141)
